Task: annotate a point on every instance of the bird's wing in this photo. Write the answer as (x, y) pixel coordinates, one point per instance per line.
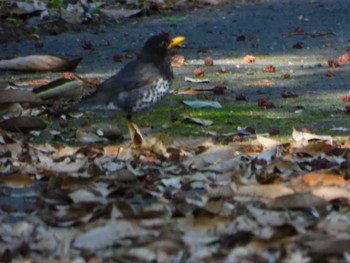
(134, 75)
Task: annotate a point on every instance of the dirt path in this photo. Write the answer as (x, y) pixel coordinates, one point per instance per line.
(268, 27)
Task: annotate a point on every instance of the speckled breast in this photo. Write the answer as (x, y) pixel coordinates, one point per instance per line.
(151, 94)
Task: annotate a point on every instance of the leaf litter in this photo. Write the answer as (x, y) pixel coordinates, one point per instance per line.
(191, 200)
(176, 199)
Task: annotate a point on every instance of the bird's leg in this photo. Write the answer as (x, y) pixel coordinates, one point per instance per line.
(136, 137)
(130, 127)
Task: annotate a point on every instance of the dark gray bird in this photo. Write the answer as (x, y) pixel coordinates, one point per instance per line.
(138, 85)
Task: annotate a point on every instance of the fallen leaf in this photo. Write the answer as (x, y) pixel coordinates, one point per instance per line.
(61, 89)
(23, 8)
(319, 178)
(205, 123)
(23, 124)
(212, 156)
(10, 110)
(198, 104)
(314, 149)
(109, 234)
(298, 201)
(39, 63)
(307, 136)
(119, 13)
(13, 96)
(330, 193)
(267, 143)
(264, 193)
(329, 246)
(280, 218)
(188, 79)
(16, 180)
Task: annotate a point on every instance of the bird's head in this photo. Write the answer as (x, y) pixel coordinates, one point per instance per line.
(160, 44)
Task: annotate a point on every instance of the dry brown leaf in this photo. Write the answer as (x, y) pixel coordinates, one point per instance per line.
(319, 178)
(189, 91)
(258, 83)
(335, 223)
(347, 143)
(23, 124)
(16, 180)
(264, 193)
(15, 148)
(329, 246)
(245, 224)
(84, 136)
(112, 150)
(13, 96)
(109, 234)
(62, 151)
(30, 82)
(85, 195)
(297, 201)
(10, 110)
(266, 142)
(213, 156)
(39, 63)
(231, 165)
(279, 218)
(314, 149)
(61, 89)
(330, 193)
(68, 167)
(306, 136)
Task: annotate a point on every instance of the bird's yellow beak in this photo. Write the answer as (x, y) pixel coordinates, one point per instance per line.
(176, 41)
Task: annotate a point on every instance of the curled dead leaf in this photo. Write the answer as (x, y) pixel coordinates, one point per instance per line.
(61, 89)
(23, 124)
(39, 63)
